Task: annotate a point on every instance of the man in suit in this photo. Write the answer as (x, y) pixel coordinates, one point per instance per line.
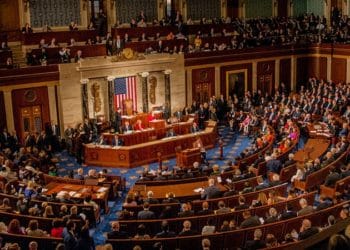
(205, 209)
(150, 198)
(187, 231)
(261, 184)
(241, 204)
(69, 239)
(116, 233)
(307, 230)
(186, 211)
(257, 242)
(118, 121)
(211, 191)
(249, 220)
(127, 128)
(222, 208)
(118, 45)
(290, 160)
(323, 203)
(146, 214)
(305, 208)
(288, 213)
(165, 233)
(332, 178)
(273, 165)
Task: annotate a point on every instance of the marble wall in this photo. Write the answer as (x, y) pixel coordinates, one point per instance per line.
(96, 70)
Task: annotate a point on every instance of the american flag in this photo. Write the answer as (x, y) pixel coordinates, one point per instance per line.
(125, 88)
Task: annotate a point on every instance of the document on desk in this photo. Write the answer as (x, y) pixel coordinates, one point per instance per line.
(198, 190)
(102, 189)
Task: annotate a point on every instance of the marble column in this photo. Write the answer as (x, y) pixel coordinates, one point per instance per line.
(110, 80)
(167, 94)
(144, 76)
(84, 98)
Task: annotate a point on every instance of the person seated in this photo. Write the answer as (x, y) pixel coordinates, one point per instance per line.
(305, 208)
(116, 233)
(143, 38)
(78, 56)
(64, 55)
(71, 42)
(141, 233)
(116, 141)
(133, 23)
(127, 127)
(170, 133)
(91, 26)
(165, 232)
(73, 26)
(187, 231)
(307, 230)
(142, 23)
(53, 43)
(92, 174)
(249, 220)
(146, 214)
(138, 126)
(212, 191)
(194, 128)
(27, 29)
(97, 40)
(185, 211)
(42, 44)
(9, 63)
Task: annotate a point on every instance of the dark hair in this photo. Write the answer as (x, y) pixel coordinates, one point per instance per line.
(70, 224)
(56, 223)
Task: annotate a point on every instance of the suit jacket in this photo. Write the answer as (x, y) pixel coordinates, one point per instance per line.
(308, 233)
(70, 242)
(186, 214)
(306, 210)
(250, 222)
(274, 166)
(288, 215)
(254, 244)
(211, 192)
(331, 179)
(146, 215)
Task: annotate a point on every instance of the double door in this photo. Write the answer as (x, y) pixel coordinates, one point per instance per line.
(31, 120)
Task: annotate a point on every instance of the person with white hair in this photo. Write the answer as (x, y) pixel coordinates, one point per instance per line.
(307, 230)
(305, 208)
(290, 160)
(150, 198)
(257, 242)
(212, 191)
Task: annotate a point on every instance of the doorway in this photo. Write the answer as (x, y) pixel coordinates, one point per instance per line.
(233, 8)
(282, 8)
(265, 84)
(236, 83)
(202, 92)
(31, 120)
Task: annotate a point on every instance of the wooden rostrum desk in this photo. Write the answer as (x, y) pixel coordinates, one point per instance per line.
(146, 152)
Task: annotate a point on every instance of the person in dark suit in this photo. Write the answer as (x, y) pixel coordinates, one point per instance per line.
(127, 127)
(256, 243)
(187, 231)
(146, 214)
(116, 233)
(249, 220)
(118, 44)
(116, 141)
(273, 165)
(205, 209)
(323, 203)
(211, 191)
(332, 178)
(165, 233)
(170, 133)
(307, 230)
(70, 240)
(186, 211)
(261, 184)
(150, 198)
(118, 121)
(288, 213)
(290, 160)
(170, 198)
(241, 204)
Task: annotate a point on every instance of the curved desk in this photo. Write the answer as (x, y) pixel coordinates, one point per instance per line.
(139, 154)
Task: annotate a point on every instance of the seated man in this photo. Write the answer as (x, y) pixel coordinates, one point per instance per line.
(211, 191)
(194, 128)
(116, 141)
(170, 133)
(127, 127)
(307, 230)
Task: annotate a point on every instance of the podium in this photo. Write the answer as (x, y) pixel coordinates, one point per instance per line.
(186, 158)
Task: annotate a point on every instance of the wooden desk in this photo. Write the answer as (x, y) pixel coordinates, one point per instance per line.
(99, 194)
(186, 158)
(313, 149)
(136, 155)
(157, 130)
(183, 191)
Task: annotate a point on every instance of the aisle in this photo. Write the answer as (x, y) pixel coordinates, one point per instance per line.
(233, 145)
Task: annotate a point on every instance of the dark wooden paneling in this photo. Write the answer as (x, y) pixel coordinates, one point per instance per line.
(203, 76)
(285, 72)
(282, 10)
(19, 101)
(224, 69)
(311, 67)
(266, 68)
(2, 112)
(9, 15)
(338, 73)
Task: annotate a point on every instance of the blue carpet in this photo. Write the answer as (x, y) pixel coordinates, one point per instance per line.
(233, 145)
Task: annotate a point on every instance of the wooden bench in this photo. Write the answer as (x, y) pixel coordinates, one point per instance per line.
(317, 178)
(233, 239)
(44, 243)
(339, 187)
(199, 221)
